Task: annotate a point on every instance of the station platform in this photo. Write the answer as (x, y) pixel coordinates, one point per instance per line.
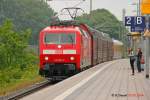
(107, 81)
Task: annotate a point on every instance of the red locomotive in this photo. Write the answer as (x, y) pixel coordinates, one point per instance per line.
(69, 47)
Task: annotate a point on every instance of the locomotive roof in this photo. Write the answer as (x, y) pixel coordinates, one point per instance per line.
(57, 28)
(65, 23)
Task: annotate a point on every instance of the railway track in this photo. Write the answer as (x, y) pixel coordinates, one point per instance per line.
(26, 91)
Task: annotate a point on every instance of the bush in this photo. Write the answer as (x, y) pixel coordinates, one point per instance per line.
(13, 47)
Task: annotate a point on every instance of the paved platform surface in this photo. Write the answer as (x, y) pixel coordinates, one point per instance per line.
(108, 81)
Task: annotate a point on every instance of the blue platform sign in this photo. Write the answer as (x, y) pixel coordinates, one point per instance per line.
(137, 29)
(137, 23)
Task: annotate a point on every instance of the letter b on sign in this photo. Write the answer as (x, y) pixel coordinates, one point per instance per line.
(139, 20)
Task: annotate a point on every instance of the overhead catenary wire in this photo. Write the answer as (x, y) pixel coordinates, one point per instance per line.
(73, 13)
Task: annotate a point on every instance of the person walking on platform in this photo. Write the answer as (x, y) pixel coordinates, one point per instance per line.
(132, 59)
(139, 56)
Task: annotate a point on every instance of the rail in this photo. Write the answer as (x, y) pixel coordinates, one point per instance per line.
(26, 91)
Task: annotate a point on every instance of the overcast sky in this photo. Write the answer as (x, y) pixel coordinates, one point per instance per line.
(114, 6)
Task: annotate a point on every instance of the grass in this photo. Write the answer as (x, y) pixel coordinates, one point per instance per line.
(12, 79)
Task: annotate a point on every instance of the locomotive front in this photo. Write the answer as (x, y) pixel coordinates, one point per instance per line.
(59, 52)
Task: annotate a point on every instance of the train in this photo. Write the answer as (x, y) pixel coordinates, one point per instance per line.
(69, 47)
(118, 48)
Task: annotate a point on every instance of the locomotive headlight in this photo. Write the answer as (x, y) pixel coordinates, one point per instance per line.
(72, 58)
(46, 58)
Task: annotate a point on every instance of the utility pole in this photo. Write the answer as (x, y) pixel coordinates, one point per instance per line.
(122, 34)
(90, 6)
(123, 16)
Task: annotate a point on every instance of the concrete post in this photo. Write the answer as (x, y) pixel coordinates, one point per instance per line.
(147, 49)
(147, 57)
(90, 6)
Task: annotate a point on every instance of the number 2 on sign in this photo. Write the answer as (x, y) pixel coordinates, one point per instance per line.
(129, 20)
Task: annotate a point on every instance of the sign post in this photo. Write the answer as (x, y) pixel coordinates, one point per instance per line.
(140, 24)
(145, 10)
(147, 35)
(137, 23)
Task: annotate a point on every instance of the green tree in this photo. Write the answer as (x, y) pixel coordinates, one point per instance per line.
(13, 46)
(103, 20)
(33, 14)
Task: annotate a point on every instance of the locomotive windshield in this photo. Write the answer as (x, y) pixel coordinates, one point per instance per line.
(60, 38)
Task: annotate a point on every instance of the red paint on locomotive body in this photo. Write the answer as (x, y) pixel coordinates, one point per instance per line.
(63, 53)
